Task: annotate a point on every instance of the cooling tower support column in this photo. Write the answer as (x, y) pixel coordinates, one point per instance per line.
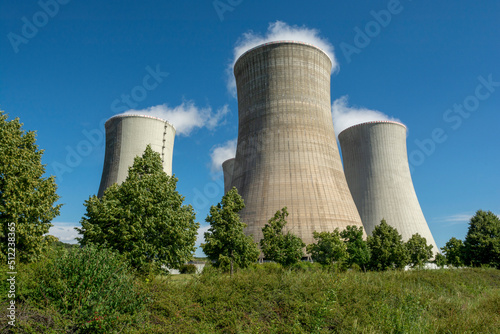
(378, 174)
(126, 138)
(286, 153)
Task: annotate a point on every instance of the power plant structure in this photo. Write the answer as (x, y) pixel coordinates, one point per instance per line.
(127, 136)
(287, 154)
(227, 169)
(378, 174)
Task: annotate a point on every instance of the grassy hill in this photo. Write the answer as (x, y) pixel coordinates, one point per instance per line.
(268, 299)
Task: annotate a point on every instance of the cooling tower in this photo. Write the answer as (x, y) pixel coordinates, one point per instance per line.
(127, 137)
(377, 172)
(227, 169)
(286, 153)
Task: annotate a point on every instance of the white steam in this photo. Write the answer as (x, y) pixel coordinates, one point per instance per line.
(221, 153)
(277, 31)
(344, 116)
(185, 117)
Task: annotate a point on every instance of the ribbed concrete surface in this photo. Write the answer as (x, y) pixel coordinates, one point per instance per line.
(378, 174)
(227, 169)
(127, 137)
(286, 152)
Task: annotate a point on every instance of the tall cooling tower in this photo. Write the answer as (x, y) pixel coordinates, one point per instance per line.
(127, 137)
(377, 171)
(286, 153)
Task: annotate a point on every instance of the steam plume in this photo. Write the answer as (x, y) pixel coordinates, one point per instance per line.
(221, 153)
(345, 116)
(185, 117)
(277, 31)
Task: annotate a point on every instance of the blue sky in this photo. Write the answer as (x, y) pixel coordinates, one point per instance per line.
(68, 65)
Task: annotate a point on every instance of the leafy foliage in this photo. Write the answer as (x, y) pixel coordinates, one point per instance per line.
(454, 252)
(482, 242)
(225, 242)
(440, 260)
(143, 218)
(188, 268)
(26, 198)
(357, 248)
(387, 248)
(329, 248)
(92, 285)
(285, 249)
(418, 250)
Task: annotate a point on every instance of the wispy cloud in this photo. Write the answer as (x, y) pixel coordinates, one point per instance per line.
(186, 117)
(277, 31)
(201, 235)
(65, 232)
(345, 116)
(220, 153)
(456, 219)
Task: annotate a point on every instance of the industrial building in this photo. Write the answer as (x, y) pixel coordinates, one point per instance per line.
(378, 174)
(286, 153)
(126, 138)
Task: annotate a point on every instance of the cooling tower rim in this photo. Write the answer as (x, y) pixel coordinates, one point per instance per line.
(282, 42)
(139, 115)
(228, 160)
(373, 122)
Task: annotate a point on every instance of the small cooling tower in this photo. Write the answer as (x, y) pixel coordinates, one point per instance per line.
(287, 154)
(227, 169)
(377, 172)
(126, 138)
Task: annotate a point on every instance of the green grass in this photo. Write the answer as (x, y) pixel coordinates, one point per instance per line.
(268, 299)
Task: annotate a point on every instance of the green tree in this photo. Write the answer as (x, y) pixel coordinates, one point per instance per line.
(357, 248)
(440, 260)
(418, 250)
(143, 218)
(454, 252)
(225, 242)
(26, 197)
(278, 246)
(482, 242)
(329, 248)
(387, 248)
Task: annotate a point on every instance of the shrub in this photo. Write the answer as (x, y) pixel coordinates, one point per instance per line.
(278, 246)
(440, 260)
(329, 248)
(92, 286)
(188, 269)
(306, 266)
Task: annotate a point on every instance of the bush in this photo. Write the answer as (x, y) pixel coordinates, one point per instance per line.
(188, 269)
(440, 260)
(92, 286)
(306, 266)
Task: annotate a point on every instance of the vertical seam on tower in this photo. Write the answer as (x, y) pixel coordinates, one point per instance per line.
(164, 142)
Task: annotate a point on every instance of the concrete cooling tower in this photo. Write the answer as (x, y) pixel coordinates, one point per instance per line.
(127, 137)
(378, 175)
(286, 153)
(227, 169)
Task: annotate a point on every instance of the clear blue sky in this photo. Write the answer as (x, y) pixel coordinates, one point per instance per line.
(64, 69)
